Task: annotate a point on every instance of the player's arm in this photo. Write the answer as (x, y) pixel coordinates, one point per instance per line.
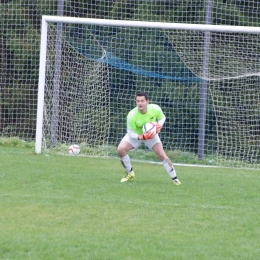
(160, 122)
(134, 135)
(131, 127)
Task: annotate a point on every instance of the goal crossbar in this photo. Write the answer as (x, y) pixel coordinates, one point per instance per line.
(158, 25)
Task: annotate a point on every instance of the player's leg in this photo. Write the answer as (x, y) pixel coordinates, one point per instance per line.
(167, 164)
(123, 148)
(156, 145)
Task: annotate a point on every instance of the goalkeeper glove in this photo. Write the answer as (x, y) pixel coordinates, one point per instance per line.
(158, 128)
(146, 136)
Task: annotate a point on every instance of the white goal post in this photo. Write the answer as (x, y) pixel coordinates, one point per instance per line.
(188, 42)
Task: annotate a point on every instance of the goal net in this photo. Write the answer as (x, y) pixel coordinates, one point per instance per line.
(205, 78)
(76, 105)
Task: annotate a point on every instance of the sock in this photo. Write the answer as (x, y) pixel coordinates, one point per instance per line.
(168, 166)
(126, 163)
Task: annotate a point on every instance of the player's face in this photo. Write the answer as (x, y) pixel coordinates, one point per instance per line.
(142, 103)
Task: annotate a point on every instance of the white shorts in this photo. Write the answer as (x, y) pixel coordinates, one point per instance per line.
(136, 143)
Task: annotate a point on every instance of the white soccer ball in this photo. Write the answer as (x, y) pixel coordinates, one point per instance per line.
(74, 149)
(149, 127)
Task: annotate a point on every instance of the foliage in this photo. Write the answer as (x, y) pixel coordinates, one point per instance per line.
(16, 142)
(20, 39)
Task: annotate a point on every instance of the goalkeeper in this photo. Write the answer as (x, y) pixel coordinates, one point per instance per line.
(137, 117)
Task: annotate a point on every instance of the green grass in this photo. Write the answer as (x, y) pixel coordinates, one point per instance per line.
(66, 207)
(177, 156)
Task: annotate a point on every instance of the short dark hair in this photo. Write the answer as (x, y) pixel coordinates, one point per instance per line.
(142, 94)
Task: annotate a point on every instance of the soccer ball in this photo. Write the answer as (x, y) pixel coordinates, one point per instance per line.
(74, 149)
(149, 127)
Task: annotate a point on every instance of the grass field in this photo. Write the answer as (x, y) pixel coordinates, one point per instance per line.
(66, 207)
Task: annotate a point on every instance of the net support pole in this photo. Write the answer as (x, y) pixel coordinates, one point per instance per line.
(57, 71)
(204, 84)
(41, 84)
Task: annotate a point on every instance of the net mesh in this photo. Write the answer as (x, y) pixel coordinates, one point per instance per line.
(117, 62)
(230, 55)
(77, 109)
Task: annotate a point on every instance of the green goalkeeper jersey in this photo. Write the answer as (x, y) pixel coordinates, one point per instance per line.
(136, 120)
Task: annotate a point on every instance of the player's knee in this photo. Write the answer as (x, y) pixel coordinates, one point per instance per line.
(159, 151)
(161, 156)
(121, 150)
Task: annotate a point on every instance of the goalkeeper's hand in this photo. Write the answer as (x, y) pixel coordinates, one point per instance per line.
(158, 128)
(146, 136)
